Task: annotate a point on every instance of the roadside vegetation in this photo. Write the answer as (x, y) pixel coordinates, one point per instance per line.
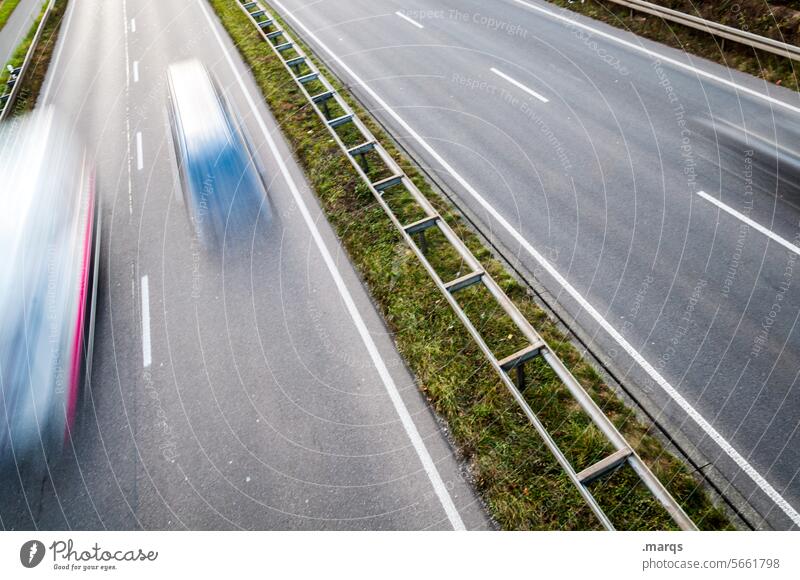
(6, 9)
(34, 77)
(776, 20)
(21, 50)
(521, 483)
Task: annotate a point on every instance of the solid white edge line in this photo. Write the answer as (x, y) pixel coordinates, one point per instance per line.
(405, 417)
(519, 85)
(756, 226)
(59, 49)
(127, 106)
(409, 19)
(712, 433)
(660, 57)
(139, 155)
(146, 352)
(136, 71)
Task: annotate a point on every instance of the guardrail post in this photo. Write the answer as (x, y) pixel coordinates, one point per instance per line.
(423, 242)
(521, 377)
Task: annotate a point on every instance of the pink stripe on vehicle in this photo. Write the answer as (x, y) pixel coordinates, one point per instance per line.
(74, 387)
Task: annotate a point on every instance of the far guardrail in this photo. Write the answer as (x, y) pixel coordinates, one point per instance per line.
(11, 91)
(715, 28)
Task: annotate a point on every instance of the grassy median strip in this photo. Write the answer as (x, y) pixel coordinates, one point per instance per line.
(517, 476)
(6, 9)
(31, 82)
(771, 19)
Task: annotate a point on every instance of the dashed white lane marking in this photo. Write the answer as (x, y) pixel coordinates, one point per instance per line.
(756, 226)
(139, 155)
(408, 19)
(136, 71)
(707, 428)
(133, 25)
(519, 85)
(410, 428)
(146, 352)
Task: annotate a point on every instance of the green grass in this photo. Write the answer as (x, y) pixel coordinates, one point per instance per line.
(6, 9)
(522, 484)
(760, 17)
(34, 76)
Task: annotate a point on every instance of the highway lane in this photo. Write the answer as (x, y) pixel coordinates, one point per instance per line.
(17, 27)
(254, 388)
(581, 150)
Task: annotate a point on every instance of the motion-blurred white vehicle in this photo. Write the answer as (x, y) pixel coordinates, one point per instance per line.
(49, 240)
(219, 173)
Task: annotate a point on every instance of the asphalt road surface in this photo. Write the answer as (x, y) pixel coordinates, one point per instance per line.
(636, 185)
(253, 389)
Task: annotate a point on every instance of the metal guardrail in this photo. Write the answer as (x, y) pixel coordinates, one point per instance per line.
(306, 75)
(715, 28)
(11, 92)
